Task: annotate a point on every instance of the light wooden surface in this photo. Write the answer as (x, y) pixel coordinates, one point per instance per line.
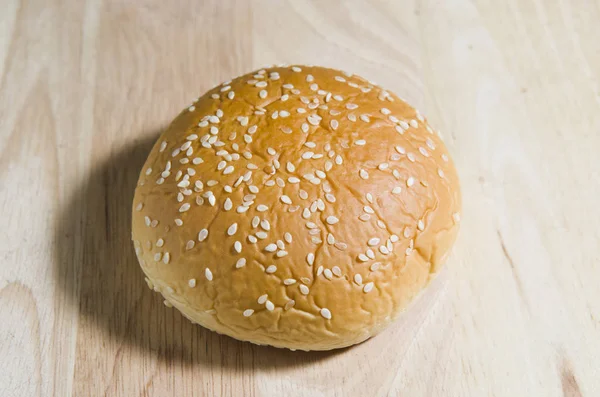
(515, 85)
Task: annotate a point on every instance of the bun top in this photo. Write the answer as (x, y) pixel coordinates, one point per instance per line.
(299, 207)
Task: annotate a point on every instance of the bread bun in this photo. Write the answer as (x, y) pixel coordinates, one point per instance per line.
(299, 207)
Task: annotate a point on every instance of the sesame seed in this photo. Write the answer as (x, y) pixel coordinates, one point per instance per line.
(296, 69)
(363, 257)
(240, 263)
(332, 220)
(303, 289)
(237, 246)
(262, 208)
(160, 242)
(285, 199)
(307, 155)
(330, 239)
(166, 258)
(248, 312)
(289, 304)
(289, 281)
(227, 205)
(190, 244)
(265, 224)
(445, 157)
(370, 253)
(328, 274)
(383, 166)
(363, 174)
(255, 222)
(411, 157)
(421, 225)
(326, 313)
(261, 235)
(271, 269)
(375, 266)
(365, 118)
(202, 235)
(358, 279)
(178, 222)
(383, 249)
(287, 237)
(368, 287)
(271, 248)
(232, 229)
(397, 190)
(407, 232)
(313, 119)
(306, 213)
(192, 108)
(262, 94)
(413, 123)
(368, 209)
(394, 238)
(208, 274)
(184, 207)
(373, 241)
(364, 217)
(310, 258)
(410, 181)
(252, 239)
(456, 217)
(440, 172)
(270, 306)
(341, 246)
(334, 124)
(262, 299)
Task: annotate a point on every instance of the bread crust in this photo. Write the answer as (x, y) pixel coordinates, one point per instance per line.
(299, 207)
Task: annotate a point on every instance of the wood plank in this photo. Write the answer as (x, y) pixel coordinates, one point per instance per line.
(85, 87)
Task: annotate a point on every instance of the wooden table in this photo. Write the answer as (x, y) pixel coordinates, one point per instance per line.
(515, 87)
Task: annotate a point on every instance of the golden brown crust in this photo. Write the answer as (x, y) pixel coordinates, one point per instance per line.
(328, 165)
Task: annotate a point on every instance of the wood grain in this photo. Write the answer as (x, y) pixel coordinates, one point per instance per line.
(85, 87)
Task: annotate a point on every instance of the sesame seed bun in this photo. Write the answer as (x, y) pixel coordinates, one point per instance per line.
(298, 207)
